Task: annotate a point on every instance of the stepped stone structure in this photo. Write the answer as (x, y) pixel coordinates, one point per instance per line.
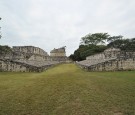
(111, 59)
(58, 54)
(28, 59)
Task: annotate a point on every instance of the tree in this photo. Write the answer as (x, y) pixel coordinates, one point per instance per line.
(98, 42)
(86, 50)
(123, 44)
(95, 39)
(114, 38)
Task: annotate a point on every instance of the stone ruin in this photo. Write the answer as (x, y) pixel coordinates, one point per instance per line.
(28, 59)
(58, 54)
(111, 59)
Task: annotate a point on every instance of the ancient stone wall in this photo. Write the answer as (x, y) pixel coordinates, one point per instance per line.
(96, 57)
(113, 65)
(109, 60)
(25, 66)
(29, 49)
(26, 53)
(107, 54)
(26, 59)
(59, 58)
(29, 59)
(58, 52)
(6, 65)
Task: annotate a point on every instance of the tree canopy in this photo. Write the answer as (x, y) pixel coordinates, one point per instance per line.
(98, 42)
(123, 44)
(95, 39)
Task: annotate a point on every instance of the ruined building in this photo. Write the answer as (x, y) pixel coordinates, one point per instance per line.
(111, 59)
(29, 53)
(28, 59)
(58, 54)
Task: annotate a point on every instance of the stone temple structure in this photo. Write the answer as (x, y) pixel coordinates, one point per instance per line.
(111, 59)
(28, 59)
(58, 54)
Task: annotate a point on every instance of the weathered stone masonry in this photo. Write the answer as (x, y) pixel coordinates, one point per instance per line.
(28, 59)
(110, 60)
(58, 54)
(18, 66)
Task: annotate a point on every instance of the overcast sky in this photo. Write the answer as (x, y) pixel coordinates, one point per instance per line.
(52, 24)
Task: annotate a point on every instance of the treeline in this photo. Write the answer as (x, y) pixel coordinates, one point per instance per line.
(98, 42)
(5, 49)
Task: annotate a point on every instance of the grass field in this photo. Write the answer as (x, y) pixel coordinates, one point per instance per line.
(67, 90)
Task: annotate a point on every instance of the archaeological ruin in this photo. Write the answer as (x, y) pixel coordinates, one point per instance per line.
(58, 54)
(111, 59)
(34, 59)
(30, 59)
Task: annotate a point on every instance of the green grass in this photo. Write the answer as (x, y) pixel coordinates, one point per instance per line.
(67, 90)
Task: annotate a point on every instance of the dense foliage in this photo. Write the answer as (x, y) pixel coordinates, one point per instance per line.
(98, 42)
(123, 44)
(97, 38)
(86, 50)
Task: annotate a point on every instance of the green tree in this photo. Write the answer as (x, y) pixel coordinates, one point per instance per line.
(114, 38)
(86, 50)
(95, 39)
(123, 44)
(98, 42)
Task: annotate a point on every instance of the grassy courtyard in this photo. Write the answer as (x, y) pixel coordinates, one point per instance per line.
(67, 90)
